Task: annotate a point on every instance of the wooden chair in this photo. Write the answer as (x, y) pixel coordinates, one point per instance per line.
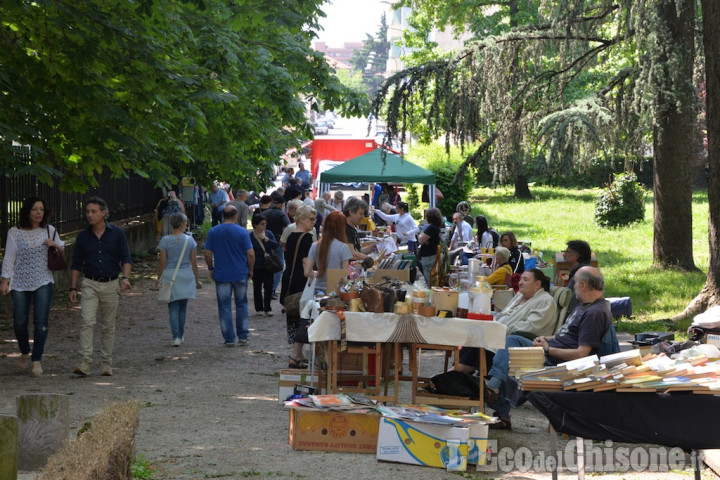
(562, 296)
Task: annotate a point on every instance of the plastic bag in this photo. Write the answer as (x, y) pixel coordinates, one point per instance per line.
(307, 299)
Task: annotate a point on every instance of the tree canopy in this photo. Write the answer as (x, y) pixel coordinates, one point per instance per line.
(566, 81)
(200, 88)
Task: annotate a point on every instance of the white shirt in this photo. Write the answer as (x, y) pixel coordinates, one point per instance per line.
(26, 258)
(486, 240)
(463, 233)
(405, 225)
(290, 229)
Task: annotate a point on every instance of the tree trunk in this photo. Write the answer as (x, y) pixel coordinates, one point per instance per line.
(522, 189)
(710, 294)
(673, 139)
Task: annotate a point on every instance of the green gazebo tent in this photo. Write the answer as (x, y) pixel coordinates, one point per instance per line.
(369, 167)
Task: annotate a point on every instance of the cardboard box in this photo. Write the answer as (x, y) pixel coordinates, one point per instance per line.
(477, 446)
(416, 443)
(333, 431)
(712, 339)
(291, 377)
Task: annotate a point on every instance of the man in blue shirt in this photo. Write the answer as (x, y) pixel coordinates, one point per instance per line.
(217, 198)
(304, 177)
(230, 257)
(102, 255)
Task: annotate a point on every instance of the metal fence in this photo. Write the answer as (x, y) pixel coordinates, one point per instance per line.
(126, 198)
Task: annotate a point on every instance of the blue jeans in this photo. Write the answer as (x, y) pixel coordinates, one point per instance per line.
(412, 247)
(499, 372)
(177, 311)
(280, 255)
(224, 291)
(40, 300)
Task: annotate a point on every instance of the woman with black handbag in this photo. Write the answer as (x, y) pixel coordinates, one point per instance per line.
(27, 276)
(294, 280)
(266, 264)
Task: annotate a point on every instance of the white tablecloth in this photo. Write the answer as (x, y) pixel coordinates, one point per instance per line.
(389, 327)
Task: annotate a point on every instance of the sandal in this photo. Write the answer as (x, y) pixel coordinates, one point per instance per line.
(503, 424)
(298, 363)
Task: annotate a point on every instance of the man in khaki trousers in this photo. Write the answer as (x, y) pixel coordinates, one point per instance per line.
(102, 255)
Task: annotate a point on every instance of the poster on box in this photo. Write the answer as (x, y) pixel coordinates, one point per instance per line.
(333, 431)
(415, 443)
(477, 445)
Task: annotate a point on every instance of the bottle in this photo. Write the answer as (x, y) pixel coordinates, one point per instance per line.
(481, 295)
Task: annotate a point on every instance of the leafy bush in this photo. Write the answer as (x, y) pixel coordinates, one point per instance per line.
(434, 158)
(622, 203)
(413, 199)
(445, 170)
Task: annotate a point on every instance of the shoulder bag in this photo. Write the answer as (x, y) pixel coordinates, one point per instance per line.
(56, 260)
(165, 293)
(272, 264)
(292, 302)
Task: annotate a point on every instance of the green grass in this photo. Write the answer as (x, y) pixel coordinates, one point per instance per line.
(141, 468)
(557, 215)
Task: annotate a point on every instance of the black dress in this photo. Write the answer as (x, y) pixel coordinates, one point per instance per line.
(298, 276)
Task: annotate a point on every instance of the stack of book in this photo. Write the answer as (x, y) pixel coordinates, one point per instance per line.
(553, 378)
(392, 263)
(627, 372)
(525, 359)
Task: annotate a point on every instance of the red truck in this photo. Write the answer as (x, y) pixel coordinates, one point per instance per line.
(325, 153)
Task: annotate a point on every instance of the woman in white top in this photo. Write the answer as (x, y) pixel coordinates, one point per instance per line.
(25, 274)
(405, 225)
(484, 237)
(531, 313)
(337, 201)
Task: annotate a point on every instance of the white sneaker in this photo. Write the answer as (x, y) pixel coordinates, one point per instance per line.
(268, 313)
(177, 342)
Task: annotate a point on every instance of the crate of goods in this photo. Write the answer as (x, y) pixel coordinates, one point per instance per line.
(333, 431)
(291, 377)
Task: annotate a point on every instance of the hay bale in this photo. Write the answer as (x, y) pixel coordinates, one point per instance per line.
(103, 451)
(8, 447)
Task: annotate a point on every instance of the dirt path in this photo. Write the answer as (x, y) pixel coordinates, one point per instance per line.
(211, 411)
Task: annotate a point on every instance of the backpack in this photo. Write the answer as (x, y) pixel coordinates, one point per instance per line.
(456, 383)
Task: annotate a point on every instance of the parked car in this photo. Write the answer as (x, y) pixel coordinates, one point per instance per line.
(321, 128)
(330, 122)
